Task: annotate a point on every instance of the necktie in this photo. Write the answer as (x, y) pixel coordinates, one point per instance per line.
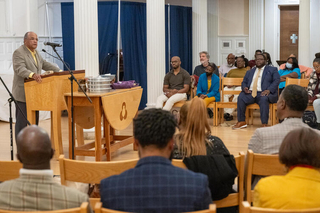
(255, 82)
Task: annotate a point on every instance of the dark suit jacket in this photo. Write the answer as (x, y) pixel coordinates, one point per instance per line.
(23, 65)
(155, 185)
(270, 81)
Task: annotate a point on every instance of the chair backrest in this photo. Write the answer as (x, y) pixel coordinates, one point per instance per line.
(98, 209)
(9, 170)
(235, 199)
(301, 82)
(263, 165)
(230, 82)
(247, 208)
(91, 172)
(82, 209)
(179, 163)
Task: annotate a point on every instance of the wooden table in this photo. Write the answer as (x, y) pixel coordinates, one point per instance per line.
(48, 96)
(115, 109)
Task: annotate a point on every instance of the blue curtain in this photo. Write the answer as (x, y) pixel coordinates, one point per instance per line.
(107, 31)
(67, 17)
(134, 44)
(180, 35)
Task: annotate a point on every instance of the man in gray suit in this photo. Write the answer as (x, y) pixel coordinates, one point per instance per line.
(27, 63)
(291, 105)
(35, 189)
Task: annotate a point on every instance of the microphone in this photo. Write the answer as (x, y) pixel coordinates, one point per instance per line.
(52, 44)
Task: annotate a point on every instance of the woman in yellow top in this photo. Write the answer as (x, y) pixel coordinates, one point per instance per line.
(300, 187)
(208, 86)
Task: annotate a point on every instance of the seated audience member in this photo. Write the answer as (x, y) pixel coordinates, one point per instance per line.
(268, 62)
(35, 189)
(199, 148)
(259, 85)
(194, 137)
(155, 185)
(300, 187)
(200, 69)
(208, 86)
(175, 87)
(238, 72)
(225, 68)
(313, 87)
(291, 105)
(291, 70)
(307, 70)
(252, 63)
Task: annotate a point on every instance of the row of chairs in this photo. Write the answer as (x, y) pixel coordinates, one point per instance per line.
(93, 172)
(218, 107)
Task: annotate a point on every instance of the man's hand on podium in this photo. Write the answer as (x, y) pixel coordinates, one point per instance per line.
(37, 77)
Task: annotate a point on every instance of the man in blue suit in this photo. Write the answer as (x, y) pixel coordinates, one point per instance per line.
(155, 185)
(260, 85)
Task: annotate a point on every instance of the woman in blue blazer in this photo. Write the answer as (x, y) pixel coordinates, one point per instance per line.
(208, 86)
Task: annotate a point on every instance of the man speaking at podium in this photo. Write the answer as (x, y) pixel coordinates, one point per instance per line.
(27, 63)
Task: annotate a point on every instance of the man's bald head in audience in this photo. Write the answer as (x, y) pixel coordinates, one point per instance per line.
(34, 148)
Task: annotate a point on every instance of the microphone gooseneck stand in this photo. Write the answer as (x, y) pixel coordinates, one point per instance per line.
(71, 78)
(67, 65)
(10, 115)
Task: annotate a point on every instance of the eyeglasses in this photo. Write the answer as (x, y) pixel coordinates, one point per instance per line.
(315, 68)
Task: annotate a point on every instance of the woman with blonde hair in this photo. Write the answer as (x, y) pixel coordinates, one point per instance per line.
(194, 137)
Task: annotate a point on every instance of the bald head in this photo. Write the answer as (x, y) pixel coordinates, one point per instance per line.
(31, 40)
(231, 59)
(34, 148)
(175, 62)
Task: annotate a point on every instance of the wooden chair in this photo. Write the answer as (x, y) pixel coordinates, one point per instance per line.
(247, 208)
(263, 165)
(249, 112)
(221, 105)
(91, 172)
(179, 163)
(233, 199)
(98, 209)
(9, 170)
(82, 209)
(301, 82)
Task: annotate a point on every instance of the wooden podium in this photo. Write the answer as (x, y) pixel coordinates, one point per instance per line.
(49, 96)
(115, 110)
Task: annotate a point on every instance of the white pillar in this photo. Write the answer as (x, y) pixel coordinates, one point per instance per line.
(304, 33)
(156, 61)
(256, 26)
(86, 36)
(32, 15)
(199, 30)
(314, 27)
(213, 28)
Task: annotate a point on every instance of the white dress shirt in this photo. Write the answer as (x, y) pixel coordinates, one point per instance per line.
(259, 79)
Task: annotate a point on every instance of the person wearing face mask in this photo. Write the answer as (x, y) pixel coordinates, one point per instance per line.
(208, 86)
(225, 68)
(313, 87)
(291, 71)
(303, 69)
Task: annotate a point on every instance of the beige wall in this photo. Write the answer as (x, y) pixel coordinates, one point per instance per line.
(233, 17)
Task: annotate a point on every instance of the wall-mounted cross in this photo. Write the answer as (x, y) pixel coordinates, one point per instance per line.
(294, 37)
